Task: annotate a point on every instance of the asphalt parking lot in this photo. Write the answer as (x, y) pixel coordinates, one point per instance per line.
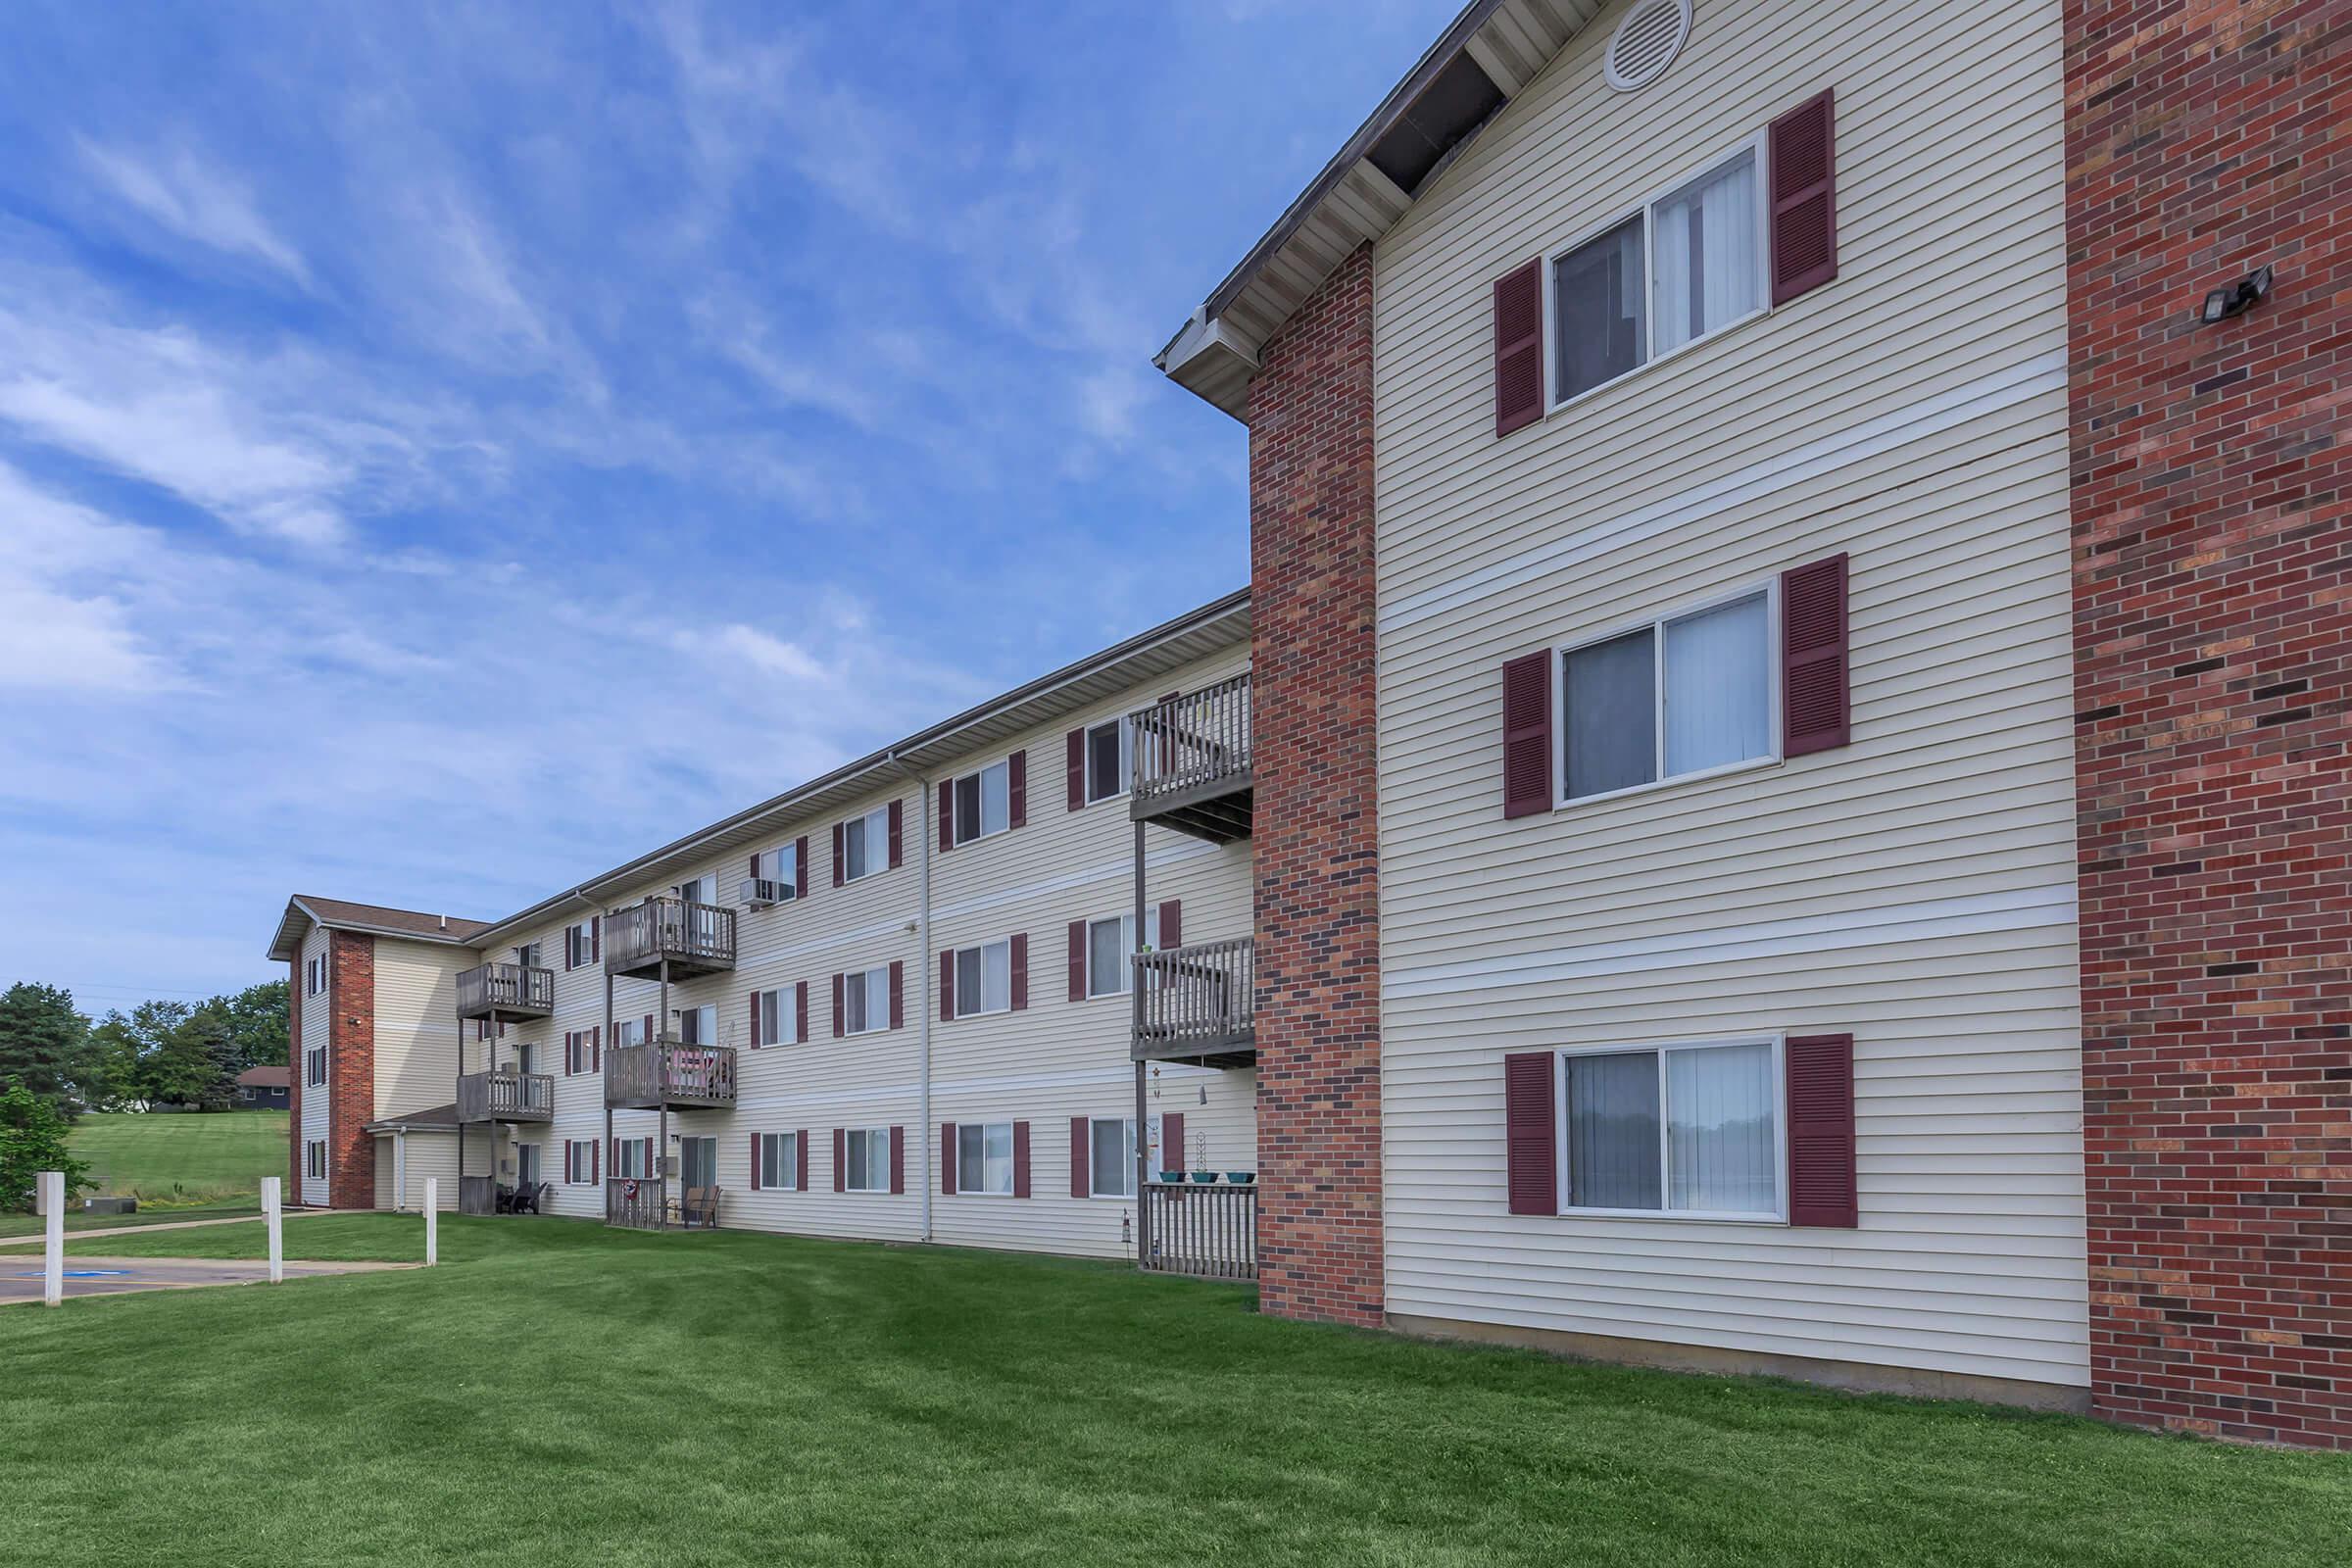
(21, 1274)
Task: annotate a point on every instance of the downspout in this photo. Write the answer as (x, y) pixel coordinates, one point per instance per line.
(922, 922)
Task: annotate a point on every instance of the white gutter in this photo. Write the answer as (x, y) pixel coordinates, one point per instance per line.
(922, 924)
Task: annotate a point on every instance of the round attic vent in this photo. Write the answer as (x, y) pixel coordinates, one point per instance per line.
(1652, 35)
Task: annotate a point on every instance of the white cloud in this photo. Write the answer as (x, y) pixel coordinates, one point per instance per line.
(191, 198)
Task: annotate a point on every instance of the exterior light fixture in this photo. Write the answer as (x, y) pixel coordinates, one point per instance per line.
(2224, 303)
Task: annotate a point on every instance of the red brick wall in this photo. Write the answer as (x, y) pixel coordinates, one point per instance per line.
(293, 1193)
(2213, 569)
(1316, 852)
(351, 1071)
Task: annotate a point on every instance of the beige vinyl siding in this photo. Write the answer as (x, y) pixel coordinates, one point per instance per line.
(415, 1027)
(1914, 888)
(429, 1154)
(316, 1098)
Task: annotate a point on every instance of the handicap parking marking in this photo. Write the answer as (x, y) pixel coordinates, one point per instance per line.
(81, 1274)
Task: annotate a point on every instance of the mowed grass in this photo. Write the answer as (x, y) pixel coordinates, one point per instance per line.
(558, 1394)
(185, 1159)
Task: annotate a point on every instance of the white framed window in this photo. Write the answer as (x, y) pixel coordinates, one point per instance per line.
(1111, 1155)
(632, 1159)
(867, 1167)
(983, 802)
(1108, 945)
(779, 1018)
(779, 864)
(313, 1159)
(780, 1161)
(314, 975)
(579, 945)
(313, 1066)
(865, 1000)
(866, 844)
(629, 1032)
(697, 890)
(1679, 697)
(576, 1161)
(1109, 760)
(526, 954)
(526, 1164)
(526, 1057)
(1685, 265)
(1691, 1129)
(984, 979)
(984, 1158)
(698, 1026)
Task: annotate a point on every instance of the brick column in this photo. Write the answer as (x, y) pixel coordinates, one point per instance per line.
(293, 1193)
(351, 1071)
(2213, 632)
(1316, 851)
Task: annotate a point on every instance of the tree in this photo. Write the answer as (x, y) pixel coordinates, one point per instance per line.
(32, 1140)
(131, 1049)
(256, 1018)
(45, 1045)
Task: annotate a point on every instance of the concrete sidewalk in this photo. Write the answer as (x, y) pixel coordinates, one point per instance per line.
(100, 1233)
(21, 1278)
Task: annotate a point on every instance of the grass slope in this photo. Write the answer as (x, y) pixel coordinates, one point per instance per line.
(560, 1394)
(182, 1159)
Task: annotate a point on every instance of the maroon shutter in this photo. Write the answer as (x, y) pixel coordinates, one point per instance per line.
(800, 1155)
(754, 1020)
(596, 938)
(1530, 1137)
(1171, 1140)
(838, 856)
(1074, 760)
(1815, 703)
(946, 986)
(754, 1162)
(1171, 924)
(1020, 970)
(800, 866)
(799, 1012)
(947, 1158)
(1821, 1131)
(1518, 348)
(755, 872)
(1527, 735)
(1077, 961)
(841, 1159)
(1016, 788)
(837, 1014)
(946, 816)
(1020, 1160)
(1081, 1159)
(898, 1159)
(569, 944)
(596, 1163)
(595, 1048)
(898, 995)
(897, 833)
(1804, 198)
(649, 1030)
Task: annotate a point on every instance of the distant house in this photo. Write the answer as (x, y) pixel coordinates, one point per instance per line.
(262, 1089)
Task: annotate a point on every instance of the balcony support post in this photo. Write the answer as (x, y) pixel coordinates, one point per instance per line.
(661, 1170)
(603, 1176)
(1135, 1014)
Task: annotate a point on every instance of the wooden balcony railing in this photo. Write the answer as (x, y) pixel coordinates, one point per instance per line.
(668, 1072)
(511, 990)
(692, 937)
(1206, 1231)
(1191, 761)
(506, 1097)
(477, 1195)
(1197, 1001)
(634, 1202)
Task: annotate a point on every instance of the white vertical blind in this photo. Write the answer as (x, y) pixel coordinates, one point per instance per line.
(1707, 254)
(1613, 1131)
(1718, 675)
(1719, 1130)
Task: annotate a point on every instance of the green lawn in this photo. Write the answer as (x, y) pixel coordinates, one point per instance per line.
(560, 1394)
(186, 1161)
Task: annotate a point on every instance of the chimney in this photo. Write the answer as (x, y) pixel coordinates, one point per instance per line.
(444, 919)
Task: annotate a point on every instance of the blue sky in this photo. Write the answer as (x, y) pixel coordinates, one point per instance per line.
(446, 450)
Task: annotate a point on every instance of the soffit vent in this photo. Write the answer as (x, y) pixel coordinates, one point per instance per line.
(1647, 41)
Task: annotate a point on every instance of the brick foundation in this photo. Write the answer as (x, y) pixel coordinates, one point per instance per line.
(1316, 851)
(2213, 627)
(351, 1071)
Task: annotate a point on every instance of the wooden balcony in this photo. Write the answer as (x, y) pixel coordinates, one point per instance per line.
(1210, 1232)
(1192, 762)
(635, 1202)
(506, 1097)
(509, 993)
(1199, 1003)
(691, 938)
(669, 1073)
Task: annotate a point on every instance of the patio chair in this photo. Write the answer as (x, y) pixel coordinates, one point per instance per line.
(698, 1207)
(526, 1197)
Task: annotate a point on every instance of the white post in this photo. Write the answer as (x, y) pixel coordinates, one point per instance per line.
(273, 1217)
(52, 1186)
(432, 1219)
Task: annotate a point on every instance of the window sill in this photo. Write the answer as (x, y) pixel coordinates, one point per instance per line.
(967, 1192)
(1753, 764)
(1679, 1216)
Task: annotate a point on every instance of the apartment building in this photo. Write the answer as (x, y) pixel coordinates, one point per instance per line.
(1801, 675)
(897, 1003)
